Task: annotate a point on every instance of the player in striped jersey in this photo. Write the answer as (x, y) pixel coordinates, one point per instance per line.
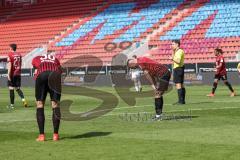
(14, 75)
(221, 73)
(159, 77)
(48, 80)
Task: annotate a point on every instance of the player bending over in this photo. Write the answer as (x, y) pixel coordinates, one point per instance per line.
(135, 76)
(221, 73)
(47, 70)
(14, 75)
(158, 75)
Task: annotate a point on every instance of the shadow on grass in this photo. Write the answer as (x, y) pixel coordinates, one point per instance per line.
(89, 135)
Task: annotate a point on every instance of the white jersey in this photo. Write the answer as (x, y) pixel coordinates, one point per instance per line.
(135, 73)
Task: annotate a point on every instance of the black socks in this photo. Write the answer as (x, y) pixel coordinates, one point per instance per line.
(40, 119)
(56, 116)
(181, 95)
(12, 96)
(20, 93)
(214, 87)
(158, 105)
(229, 86)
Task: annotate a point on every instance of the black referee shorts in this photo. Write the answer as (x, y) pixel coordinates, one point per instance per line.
(15, 81)
(48, 82)
(162, 83)
(178, 75)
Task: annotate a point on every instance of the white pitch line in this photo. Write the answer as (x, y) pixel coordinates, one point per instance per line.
(132, 107)
(117, 114)
(196, 109)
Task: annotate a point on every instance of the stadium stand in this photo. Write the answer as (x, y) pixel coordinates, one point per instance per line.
(202, 25)
(38, 24)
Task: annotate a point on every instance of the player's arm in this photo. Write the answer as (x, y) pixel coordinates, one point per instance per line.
(176, 58)
(35, 71)
(220, 64)
(238, 67)
(34, 66)
(150, 79)
(9, 67)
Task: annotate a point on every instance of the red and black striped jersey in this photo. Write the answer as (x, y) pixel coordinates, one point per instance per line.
(46, 63)
(16, 63)
(220, 61)
(154, 68)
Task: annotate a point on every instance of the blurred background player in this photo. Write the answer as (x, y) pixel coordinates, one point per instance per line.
(14, 75)
(158, 75)
(178, 70)
(48, 80)
(135, 76)
(221, 73)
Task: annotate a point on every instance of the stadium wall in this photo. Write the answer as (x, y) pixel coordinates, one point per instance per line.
(205, 78)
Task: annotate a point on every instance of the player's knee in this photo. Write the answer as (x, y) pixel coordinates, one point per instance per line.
(40, 104)
(178, 85)
(54, 104)
(159, 94)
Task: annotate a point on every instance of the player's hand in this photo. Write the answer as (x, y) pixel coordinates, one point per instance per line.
(153, 87)
(170, 57)
(9, 78)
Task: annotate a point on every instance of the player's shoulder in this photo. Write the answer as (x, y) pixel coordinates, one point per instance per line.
(180, 51)
(10, 54)
(37, 58)
(145, 59)
(220, 57)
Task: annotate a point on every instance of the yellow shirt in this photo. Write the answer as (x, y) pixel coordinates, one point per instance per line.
(179, 55)
(238, 67)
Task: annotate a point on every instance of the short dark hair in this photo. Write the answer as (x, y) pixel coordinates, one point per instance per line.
(219, 51)
(134, 56)
(13, 46)
(177, 41)
(128, 61)
(49, 51)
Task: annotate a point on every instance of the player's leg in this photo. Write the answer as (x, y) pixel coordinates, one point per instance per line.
(40, 94)
(19, 91)
(55, 95)
(179, 82)
(162, 86)
(224, 78)
(12, 97)
(214, 87)
(56, 118)
(40, 120)
(136, 84)
(139, 84)
(158, 104)
(11, 93)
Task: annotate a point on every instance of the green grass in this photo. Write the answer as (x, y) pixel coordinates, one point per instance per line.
(212, 133)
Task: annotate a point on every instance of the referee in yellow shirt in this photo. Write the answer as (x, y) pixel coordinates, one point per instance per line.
(178, 70)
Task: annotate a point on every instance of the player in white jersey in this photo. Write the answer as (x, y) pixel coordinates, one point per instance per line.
(135, 76)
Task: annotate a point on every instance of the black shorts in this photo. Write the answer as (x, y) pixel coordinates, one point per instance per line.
(178, 75)
(48, 82)
(162, 83)
(220, 77)
(15, 81)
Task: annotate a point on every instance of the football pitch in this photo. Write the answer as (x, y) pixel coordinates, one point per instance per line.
(203, 129)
